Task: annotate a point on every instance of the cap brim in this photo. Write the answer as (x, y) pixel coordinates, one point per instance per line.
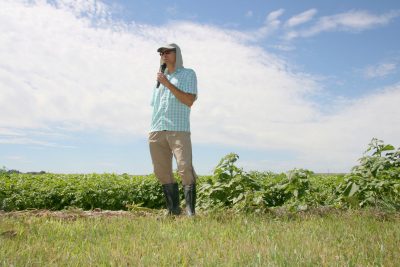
(167, 47)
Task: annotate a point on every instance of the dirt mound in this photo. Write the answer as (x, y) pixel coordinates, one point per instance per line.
(72, 214)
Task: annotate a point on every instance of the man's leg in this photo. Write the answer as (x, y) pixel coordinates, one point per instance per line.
(181, 146)
(161, 156)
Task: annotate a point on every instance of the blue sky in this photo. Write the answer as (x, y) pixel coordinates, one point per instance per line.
(284, 84)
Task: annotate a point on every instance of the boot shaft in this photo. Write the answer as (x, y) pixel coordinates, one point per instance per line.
(171, 193)
(190, 198)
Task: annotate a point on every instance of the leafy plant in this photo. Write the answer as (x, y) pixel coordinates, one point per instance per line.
(230, 187)
(3, 170)
(376, 181)
(86, 191)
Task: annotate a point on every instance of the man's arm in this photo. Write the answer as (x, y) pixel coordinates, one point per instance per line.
(185, 98)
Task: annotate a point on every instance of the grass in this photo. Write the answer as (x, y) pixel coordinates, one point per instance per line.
(348, 238)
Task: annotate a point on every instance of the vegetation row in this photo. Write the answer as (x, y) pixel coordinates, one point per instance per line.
(375, 182)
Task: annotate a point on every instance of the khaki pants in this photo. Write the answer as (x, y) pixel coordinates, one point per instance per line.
(163, 145)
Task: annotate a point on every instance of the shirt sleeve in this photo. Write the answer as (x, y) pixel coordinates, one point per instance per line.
(152, 98)
(190, 83)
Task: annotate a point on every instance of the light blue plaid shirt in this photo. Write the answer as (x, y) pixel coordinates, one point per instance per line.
(168, 112)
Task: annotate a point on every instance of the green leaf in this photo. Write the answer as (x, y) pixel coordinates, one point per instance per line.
(350, 189)
(387, 148)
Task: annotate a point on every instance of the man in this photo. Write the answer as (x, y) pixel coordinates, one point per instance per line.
(170, 128)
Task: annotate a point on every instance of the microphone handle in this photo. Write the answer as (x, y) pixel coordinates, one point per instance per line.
(162, 69)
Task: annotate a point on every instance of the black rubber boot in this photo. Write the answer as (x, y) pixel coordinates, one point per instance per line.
(171, 193)
(190, 198)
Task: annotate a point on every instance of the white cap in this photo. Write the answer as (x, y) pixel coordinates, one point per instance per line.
(167, 47)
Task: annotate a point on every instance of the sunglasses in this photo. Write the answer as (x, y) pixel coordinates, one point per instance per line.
(166, 52)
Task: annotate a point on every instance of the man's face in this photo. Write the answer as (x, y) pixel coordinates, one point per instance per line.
(168, 56)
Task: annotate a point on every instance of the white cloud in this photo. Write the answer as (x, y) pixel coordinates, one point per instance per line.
(351, 128)
(89, 8)
(284, 47)
(30, 136)
(17, 158)
(271, 24)
(347, 21)
(334, 142)
(301, 18)
(351, 21)
(249, 14)
(67, 72)
(380, 70)
(274, 15)
(60, 73)
(24, 140)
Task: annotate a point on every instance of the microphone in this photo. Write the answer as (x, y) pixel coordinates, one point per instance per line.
(162, 69)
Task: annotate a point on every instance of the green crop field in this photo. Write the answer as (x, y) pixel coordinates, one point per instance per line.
(375, 182)
(253, 218)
